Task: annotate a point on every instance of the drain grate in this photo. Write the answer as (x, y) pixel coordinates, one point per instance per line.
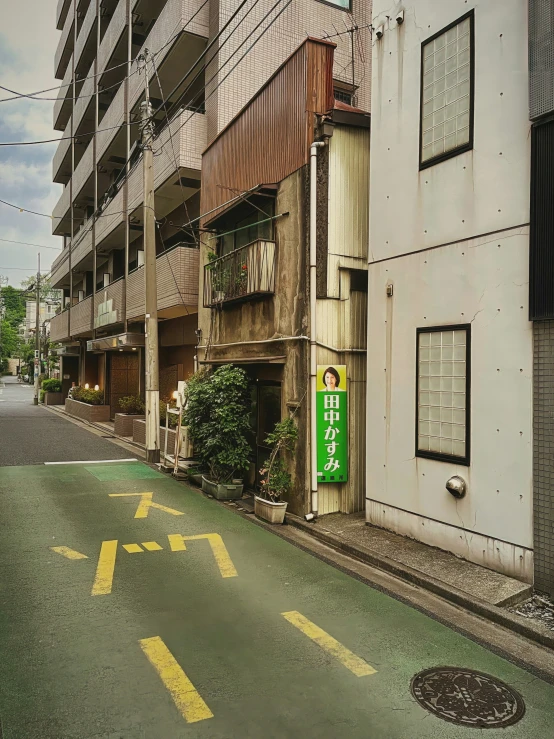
(467, 697)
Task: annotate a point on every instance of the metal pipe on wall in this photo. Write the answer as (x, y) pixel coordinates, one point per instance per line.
(312, 323)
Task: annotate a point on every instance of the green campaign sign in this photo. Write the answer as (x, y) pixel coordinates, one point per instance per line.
(332, 424)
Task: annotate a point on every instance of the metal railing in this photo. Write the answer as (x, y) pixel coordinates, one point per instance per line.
(243, 274)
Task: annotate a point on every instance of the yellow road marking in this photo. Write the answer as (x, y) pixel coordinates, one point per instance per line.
(132, 548)
(184, 694)
(219, 550)
(69, 553)
(146, 503)
(104, 571)
(151, 546)
(352, 662)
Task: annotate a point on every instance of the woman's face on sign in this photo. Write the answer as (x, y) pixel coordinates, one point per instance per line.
(330, 381)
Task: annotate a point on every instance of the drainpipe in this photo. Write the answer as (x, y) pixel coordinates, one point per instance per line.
(312, 323)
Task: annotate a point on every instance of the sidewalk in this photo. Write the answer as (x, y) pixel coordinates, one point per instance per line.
(412, 560)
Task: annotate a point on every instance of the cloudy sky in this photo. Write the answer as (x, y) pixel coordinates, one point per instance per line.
(28, 39)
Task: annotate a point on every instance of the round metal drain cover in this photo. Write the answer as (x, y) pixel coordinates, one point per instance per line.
(467, 697)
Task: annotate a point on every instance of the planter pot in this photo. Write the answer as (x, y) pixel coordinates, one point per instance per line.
(269, 511)
(221, 492)
(197, 479)
(86, 412)
(53, 399)
(124, 423)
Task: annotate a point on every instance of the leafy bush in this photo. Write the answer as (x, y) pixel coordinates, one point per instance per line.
(276, 479)
(52, 386)
(132, 405)
(41, 396)
(92, 397)
(217, 419)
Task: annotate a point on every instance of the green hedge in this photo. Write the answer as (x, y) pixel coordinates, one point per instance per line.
(52, 386)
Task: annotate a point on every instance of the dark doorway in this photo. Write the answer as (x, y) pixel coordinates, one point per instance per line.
(69, 372)
(266, 412)
(124, 378)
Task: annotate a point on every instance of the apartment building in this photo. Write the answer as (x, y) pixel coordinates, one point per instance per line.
(47, 311)
(459, 326)
(106, 51)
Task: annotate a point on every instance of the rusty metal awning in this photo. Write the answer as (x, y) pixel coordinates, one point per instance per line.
(113, 343)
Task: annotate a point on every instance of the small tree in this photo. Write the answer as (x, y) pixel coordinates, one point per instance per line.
(276, 479)
(217, 419)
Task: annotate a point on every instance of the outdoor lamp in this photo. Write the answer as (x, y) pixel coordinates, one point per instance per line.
(175, 394)
(86, 386)
(97, 387)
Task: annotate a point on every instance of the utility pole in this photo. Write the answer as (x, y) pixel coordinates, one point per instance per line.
(37, 333)
(152, 382)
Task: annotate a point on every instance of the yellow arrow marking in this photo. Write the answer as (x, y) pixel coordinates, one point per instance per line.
(352, 662)
(132, 548)
(185, 696)
(104, 571)
(146, 503)
(224, 562)
(68, 553)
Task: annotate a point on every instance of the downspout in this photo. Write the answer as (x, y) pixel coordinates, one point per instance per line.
(313, 325)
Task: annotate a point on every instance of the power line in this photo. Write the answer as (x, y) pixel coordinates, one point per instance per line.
(32, 95)
(26, 243)
(66, 138)
(25, 269)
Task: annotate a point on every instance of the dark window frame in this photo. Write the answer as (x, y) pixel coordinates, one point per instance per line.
(438, 456)
(463, 148)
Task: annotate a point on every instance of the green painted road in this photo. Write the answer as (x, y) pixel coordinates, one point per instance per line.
(188, 639)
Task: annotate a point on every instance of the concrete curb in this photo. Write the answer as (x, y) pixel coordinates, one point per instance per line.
(442, 589)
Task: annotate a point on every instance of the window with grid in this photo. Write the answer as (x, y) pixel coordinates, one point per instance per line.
(447, 96)
(443, 393)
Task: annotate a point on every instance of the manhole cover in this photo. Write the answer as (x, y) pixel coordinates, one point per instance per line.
(467, 697)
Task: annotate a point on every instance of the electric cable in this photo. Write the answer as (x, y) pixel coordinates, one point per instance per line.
(26, 243)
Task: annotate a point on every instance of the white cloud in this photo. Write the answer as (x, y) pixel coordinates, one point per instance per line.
(28, 40)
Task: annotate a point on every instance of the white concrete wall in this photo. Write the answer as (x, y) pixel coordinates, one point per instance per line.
(453, 241)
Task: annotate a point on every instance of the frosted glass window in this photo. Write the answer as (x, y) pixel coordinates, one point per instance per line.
(442, 401)
(446, 99)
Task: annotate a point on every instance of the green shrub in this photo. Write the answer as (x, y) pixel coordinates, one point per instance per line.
(92, 397)
(276, 479)
(217, 419)
(52, 386)
(41, 396)
(173, 419)
(132, 405)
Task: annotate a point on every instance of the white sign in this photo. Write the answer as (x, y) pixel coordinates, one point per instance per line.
(105, 314)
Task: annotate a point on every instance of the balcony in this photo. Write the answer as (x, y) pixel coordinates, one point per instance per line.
(81, 245)
(83, 171)
(59, 271)
(112, 36)
(61, 13)
(177, 284)
(85, 46)
(60, 214)
(61, 163)
(110, 307)
(174, 17)
(85, 99)
(247, 273)
(64, 50)
(115, 116)
(111, 217)
(81, 317)
(63, 104)
(59, 327)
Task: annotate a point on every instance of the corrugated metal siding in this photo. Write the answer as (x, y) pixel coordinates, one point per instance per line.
(269, 139)
(349, 192)
(541, 58)
(541, 248)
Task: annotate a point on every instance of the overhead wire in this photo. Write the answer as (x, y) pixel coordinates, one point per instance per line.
(32, 95)
(26, 243)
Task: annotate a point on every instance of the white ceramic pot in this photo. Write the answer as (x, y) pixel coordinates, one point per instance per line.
(270, 511)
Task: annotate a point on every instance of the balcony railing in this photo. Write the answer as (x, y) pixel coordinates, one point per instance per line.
(62, 106)
(59, 327)
(61, 13)
(81, 317)
(244, 274)
(64, 50)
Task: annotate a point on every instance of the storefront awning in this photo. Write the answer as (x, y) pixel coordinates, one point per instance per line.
(112, 343)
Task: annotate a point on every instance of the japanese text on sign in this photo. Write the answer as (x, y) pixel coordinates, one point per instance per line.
(332, 424)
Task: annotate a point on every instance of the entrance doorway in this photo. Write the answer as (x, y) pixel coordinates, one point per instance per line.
(266, 412)
(124, 377)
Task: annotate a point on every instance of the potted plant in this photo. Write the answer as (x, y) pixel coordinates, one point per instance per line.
(132, 408)
(51, 392)
(220, 277)
(217, 419)
(275, 481)
(88, 405)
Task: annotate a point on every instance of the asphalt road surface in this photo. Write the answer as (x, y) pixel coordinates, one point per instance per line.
(133, 607)
(31, 434)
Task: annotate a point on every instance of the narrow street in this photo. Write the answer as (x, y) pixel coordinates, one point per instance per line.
(134, 607)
